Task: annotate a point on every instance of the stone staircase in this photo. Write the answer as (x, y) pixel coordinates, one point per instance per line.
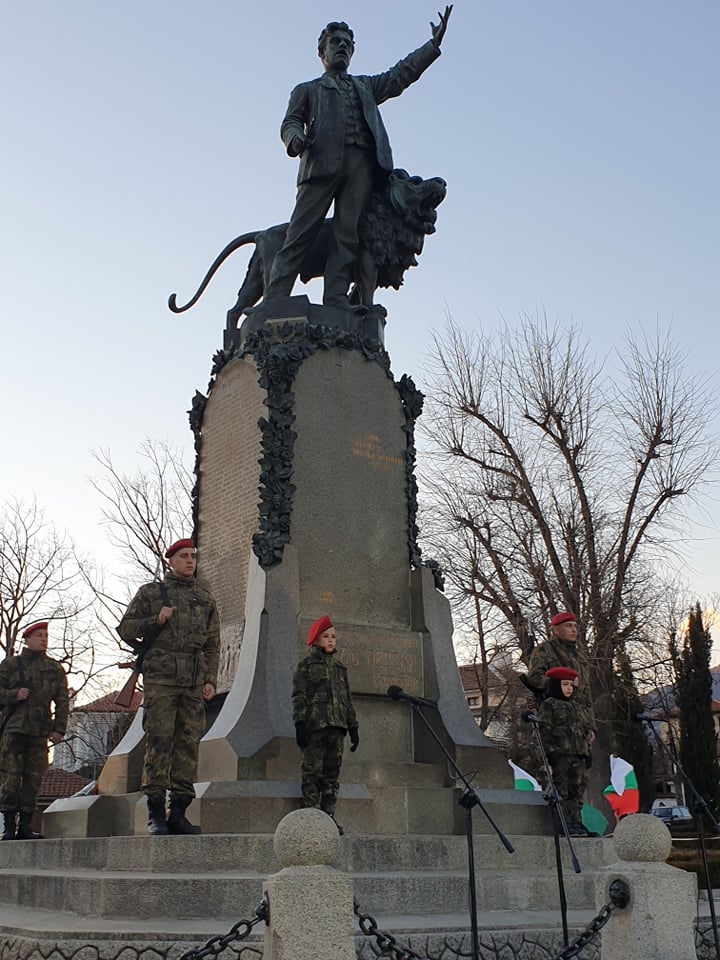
(150, 898)
(382, 798)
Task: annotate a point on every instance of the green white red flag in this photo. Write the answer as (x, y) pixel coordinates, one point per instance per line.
(622, 794)
(523, 779)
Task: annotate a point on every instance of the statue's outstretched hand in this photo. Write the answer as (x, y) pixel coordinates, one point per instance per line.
(438, 30)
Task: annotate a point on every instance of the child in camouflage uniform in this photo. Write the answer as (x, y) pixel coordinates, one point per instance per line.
(565, 734)
(323, 713)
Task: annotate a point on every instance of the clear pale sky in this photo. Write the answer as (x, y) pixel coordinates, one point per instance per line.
(579, 141)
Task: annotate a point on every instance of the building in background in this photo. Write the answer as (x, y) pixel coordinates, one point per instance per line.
(94, 730)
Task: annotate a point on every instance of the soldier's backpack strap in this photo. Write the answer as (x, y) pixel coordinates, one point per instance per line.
(164, 593)
(148, 641)
(12, 707)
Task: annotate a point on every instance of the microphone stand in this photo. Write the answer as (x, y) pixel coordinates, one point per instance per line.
(468, 799)
(559, 825)
(699, 807)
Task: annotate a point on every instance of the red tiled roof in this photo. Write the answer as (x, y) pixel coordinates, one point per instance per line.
(470, 677)
(107, 704)
(675, 712)
(60, 783)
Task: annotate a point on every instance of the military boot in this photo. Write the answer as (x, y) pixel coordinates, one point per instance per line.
(157, 824)
(24, 830)
(339, 828)
(177, 821)
(576, 829)
(9, 824)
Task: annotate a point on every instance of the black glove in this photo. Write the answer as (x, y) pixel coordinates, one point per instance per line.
(354, 738)
(302, 735)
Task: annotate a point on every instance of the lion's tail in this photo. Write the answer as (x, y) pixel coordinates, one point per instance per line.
(234, 245)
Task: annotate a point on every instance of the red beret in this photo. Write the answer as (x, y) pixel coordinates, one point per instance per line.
(561, 673)
(318, 627)
(562, 618)
(179, 545)
(40, 625)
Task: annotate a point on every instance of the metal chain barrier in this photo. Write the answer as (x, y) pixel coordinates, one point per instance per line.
(238, 931)
(619, 898)
(386, 942)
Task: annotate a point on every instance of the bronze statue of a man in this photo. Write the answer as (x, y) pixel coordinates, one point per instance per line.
(333, 124)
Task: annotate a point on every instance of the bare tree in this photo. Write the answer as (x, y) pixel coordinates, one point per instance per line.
(146, 511)
(42, 577)
(142, 513)
(555, 484)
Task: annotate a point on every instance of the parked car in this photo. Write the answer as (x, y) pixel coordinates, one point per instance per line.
(673, 815)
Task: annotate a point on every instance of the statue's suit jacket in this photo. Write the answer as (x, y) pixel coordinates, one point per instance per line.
(315, 109)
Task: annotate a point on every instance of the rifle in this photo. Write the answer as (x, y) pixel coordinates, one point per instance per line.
(125, 697)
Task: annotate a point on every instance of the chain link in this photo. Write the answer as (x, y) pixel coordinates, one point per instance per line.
(238, 931)
(619, 899)
(386, 942)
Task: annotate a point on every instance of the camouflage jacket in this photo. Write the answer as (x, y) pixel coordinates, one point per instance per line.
(563, 727)
(559, 653)
(321, 692)
(47, 682)
(184, 651)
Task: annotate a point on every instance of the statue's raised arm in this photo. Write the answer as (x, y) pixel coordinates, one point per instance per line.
(437, 30)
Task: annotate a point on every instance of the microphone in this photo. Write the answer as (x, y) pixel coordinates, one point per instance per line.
(397, 693)
(644, 718)
(530, 717)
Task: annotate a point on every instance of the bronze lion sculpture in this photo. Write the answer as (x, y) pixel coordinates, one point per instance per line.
(392, 232)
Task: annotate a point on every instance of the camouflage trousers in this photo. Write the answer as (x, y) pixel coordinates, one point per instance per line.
(174, 722)
(321, 762)
(23, 761)
(570, 775)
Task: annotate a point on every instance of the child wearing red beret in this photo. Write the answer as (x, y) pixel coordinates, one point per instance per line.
(323, 713)
(565, 734)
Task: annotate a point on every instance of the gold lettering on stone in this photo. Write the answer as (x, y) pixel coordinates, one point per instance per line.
(368, 447)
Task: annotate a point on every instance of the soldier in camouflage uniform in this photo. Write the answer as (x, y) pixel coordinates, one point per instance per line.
(562, 650)
(29, 683)
(323, 713)
(177, 621)
(565, 735)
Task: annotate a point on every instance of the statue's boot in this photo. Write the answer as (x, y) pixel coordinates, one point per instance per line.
(177, 821)
(24, 830)
(9, 824)
(157, 824)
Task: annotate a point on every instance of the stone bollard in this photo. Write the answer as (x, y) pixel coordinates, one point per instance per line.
(311, 904)
(659, 921)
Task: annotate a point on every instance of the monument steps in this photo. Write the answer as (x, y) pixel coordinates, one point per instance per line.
(203, 896)
(401, 801)
(217, 853)
(206, 878)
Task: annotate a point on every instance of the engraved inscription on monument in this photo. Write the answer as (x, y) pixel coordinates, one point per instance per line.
(378, 659)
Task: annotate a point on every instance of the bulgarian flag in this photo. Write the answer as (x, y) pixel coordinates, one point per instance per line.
(622, 794)
(523, 779)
